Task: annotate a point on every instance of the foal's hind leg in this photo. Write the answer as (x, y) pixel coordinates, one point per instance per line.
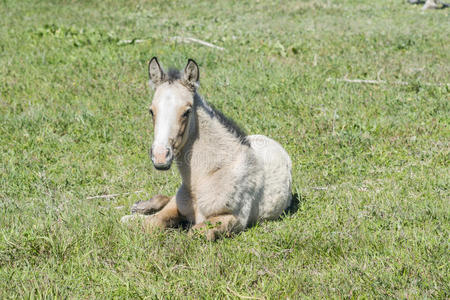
(150, 206)
(217, 226)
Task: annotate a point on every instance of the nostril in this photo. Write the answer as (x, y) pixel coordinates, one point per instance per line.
(168, 152)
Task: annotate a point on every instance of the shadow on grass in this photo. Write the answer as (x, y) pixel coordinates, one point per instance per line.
(297, 200)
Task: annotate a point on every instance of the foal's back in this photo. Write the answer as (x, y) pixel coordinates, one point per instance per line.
(277, 176)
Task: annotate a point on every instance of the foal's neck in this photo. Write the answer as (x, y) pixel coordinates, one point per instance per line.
(211, 144)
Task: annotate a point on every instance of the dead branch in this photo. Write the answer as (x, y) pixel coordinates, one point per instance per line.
(130, 42)
(368, 81)
(194, 40)
(112, 195)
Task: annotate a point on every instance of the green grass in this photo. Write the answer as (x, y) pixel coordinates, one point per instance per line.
(370, 162)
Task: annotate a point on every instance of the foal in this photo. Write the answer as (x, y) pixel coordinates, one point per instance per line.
(229, 180)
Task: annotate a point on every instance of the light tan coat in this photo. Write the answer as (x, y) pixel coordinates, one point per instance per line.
(229, 181)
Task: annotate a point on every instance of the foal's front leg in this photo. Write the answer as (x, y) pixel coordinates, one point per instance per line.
(151, 206)
(160, 211)
(141, 208)
(216, 226)
(169, 216)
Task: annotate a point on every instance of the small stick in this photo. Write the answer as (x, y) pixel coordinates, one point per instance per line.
(319, 188)
(368, 81)
(134, 41)
(112, 195)
(194, 40)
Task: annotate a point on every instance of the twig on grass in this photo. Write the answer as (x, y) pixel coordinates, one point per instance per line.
(130, 42)
(319, 188)
(368, 81)
(194, 40)
(112, 195)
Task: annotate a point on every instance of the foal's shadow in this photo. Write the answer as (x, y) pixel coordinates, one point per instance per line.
(296, 202)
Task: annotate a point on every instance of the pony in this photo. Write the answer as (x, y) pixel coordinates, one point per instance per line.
(230, 180)
(430, 4)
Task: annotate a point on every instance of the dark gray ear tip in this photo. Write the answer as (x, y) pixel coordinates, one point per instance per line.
(153, 59)
(190, 60)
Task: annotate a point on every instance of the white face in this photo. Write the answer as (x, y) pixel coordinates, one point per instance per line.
(171, 109)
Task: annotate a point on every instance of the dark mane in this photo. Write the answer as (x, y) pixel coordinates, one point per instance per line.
(173, 74)
(229, 124)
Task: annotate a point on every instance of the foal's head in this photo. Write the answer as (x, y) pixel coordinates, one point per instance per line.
(171, 110)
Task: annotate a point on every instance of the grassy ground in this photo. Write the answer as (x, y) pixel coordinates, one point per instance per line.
(371, 162)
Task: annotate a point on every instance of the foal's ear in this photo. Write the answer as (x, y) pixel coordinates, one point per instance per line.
(155, 72)
(191, 72)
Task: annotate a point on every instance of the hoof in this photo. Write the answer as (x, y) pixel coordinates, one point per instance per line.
(150, 206)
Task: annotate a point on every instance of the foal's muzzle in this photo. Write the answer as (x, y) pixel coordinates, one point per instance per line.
(162, 157)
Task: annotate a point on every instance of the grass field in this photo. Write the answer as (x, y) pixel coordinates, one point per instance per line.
(370, 161)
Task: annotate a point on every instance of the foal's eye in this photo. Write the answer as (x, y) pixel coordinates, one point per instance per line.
(186, 113)
(151, 111)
